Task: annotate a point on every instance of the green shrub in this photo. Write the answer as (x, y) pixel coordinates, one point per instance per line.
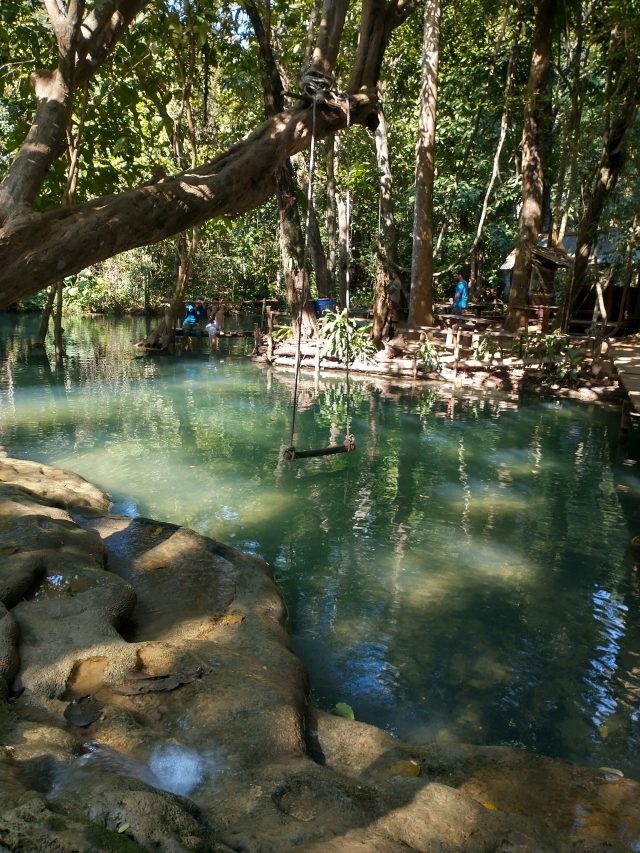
(557, 357)
(428, 355)
(346, 340)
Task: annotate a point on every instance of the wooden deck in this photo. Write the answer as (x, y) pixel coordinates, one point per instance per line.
(626, 357)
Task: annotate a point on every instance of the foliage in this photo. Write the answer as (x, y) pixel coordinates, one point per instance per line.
(558, 357)
(428, 355)
(342, 709)
(126, 141)
(345, 339)
(281, 333)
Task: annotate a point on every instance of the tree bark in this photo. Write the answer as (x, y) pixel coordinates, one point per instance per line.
(332, 213)
(74, 144)
(532, 171)
(317, 253)
(344, 259)
(162, 337)
(421, 299)
(45, 317)
(83, 45)
(473, 135)
(294, 243)
(58, 331)
(37, 249)
(568, 160)
(622, 111)
(504, 126)
(387, 266)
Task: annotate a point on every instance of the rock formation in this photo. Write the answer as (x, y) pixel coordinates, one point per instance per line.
(149, 700)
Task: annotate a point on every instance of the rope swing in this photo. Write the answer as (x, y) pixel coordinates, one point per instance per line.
(316, 86)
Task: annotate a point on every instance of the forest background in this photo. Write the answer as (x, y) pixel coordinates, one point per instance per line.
(186, 80)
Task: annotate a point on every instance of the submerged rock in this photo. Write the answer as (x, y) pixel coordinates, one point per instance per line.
(194, 731)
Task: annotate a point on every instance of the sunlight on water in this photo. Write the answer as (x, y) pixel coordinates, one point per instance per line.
(466, 574)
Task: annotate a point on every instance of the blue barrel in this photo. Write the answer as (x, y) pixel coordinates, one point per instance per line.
(324, 305)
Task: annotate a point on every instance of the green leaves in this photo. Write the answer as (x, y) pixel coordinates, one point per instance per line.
(345, 339)
(341, 709)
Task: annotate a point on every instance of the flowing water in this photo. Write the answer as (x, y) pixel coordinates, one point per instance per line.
(466, 574)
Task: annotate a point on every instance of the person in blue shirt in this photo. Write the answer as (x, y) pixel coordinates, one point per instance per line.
(461, 295)
(193, 318)
(194, 313)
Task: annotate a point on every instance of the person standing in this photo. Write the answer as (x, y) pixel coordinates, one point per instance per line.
(461, 294)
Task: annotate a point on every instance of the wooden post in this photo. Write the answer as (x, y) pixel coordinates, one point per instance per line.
(269, 334)
(257, 339)
(456, 349)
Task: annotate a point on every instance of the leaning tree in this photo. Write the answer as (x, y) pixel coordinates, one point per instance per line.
(38, 248)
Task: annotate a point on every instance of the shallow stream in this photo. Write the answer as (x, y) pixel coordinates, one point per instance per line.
(466, 574)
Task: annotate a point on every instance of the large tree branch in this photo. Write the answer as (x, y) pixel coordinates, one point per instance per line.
(57, 18)
(377, 21)
(39, 248)
(101, 31)
(272, 88)
(44, 143)
(329, 35)
(46, 139)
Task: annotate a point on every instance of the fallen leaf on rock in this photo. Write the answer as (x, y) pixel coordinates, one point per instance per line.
(154, 530)
(231, 619)
(405, 767)
(82, 711)
(156, 683)
(490, 807)
(341, 709)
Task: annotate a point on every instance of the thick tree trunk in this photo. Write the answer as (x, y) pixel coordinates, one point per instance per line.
(382, 319)
(568, 160)
(532, 174)
(44, 319)
(622, 112)
(293, 253)
(317, 253)
(331, 221)
(504, 126)
(58, 331)
(37, 249)
(162, 337)
(461, 167)
(74, 144)
(344, 259)
(421, 299)
(83, 45)
(387, 266)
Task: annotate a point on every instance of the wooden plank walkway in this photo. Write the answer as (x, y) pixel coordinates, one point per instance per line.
(626, 357)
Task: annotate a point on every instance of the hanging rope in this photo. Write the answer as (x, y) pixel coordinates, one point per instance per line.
(316, 86)
(304, 288)
(348, 435)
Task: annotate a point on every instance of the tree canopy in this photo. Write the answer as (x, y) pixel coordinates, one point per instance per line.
(109, 72)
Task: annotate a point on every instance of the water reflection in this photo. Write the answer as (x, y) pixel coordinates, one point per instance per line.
(465, 574)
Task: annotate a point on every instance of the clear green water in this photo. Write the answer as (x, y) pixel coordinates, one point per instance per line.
(466, 574)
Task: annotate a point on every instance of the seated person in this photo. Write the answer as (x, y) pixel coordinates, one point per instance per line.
(194, 314)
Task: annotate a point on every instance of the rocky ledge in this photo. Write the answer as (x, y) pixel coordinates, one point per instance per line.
(149, 700)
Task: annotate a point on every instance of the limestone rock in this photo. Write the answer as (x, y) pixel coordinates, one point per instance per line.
(234, 758)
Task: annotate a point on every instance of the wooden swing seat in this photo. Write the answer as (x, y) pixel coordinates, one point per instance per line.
(348, 446)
